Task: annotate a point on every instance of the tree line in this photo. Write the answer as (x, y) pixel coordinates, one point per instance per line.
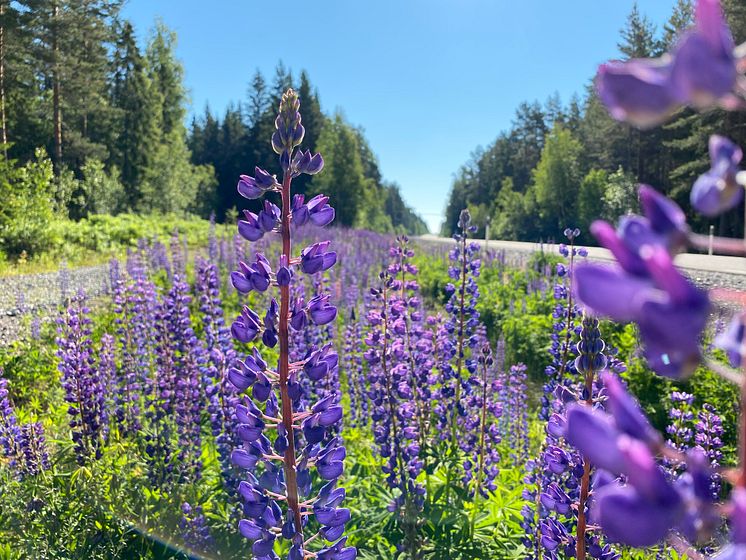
(563, 165)
(78, 95)
(237, 141)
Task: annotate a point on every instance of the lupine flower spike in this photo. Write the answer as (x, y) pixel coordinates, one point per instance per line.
(283, 444)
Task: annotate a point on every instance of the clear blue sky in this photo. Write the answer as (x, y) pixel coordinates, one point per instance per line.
(429, 80)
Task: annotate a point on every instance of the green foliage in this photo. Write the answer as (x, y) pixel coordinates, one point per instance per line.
(512, 218)
(557, 178)
(98, 237)
(620, 196)
(343, 180)
(669, 157)
(27, 207)
(591, 197)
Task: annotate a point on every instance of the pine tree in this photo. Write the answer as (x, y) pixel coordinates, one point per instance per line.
(313, 121)
(343, 179)
(638, 36)
(527, 136)
(71, 41)
(258, 99)
(169, 181)
(681, 19)
(137, 113)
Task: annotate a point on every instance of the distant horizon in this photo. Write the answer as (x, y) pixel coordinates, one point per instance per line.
(421, 139)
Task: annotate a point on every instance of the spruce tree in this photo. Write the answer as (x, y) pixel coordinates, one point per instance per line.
(137, 113)
(638, 36)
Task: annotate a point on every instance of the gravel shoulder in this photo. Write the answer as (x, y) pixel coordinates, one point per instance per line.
(708, 271)
(27, 296)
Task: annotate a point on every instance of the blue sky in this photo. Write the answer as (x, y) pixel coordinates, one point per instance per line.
(429, 80)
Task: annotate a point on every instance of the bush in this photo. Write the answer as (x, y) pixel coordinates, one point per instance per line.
(27, 207)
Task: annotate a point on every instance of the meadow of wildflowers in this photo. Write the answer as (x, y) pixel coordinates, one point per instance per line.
(298, 391)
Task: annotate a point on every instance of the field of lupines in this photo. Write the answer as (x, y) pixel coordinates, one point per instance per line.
(303, 392)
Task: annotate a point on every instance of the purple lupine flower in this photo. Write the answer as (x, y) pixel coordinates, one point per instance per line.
(10, 431)
(135, 303)
(641, 511)
(680, 431)
(514, 420)
(721, 188)
(24, 446)
(459, 365)
(187, 360)
(281, 468)
(255, 187)
(85, 390)
(700, 71)
(647, 288)
(566, 484)
(690, 429)
(317, 210)
(704, 65)
(564, 327)
(194, 530)
(33, 447)
(221, 393)
(482, 435)
(731, 340)
(708, 439)
(415, 340)
(393, 410)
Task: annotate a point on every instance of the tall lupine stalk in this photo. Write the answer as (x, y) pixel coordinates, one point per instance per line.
(416, 338)
(514, 420)
(639, 506)
(221, 394)
(189, 360)
(565, 325)
(485, 402)
(589, 363)
(85, 389)
(194, 530)
(300, 443)
(10, 431)
(353, 366)
(393, 413)
(34, 450)
(708, 438)
(556, 471)
(135, 305)
(680, 429)
(457, 365)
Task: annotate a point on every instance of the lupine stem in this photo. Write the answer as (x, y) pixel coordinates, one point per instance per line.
(284, 367)
(459, 357)
(566, 347)
(409, 525)
(585, 481)
(419, 406)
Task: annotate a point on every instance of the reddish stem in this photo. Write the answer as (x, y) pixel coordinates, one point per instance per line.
(291, 481)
